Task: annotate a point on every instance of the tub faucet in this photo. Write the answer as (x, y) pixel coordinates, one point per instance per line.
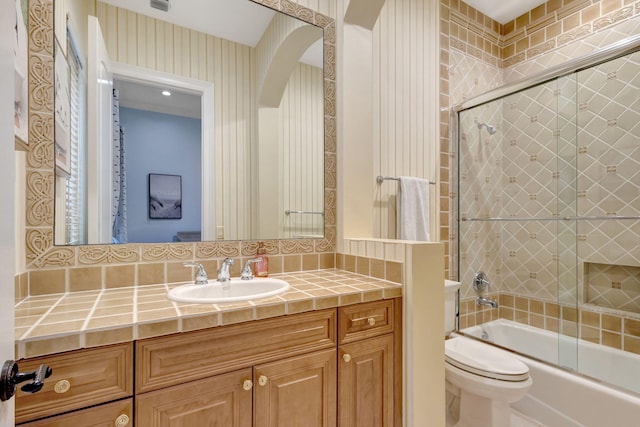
(201, 274)
(486, 301)
(223, 272)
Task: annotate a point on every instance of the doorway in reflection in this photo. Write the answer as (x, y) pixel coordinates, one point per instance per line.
(161, 134)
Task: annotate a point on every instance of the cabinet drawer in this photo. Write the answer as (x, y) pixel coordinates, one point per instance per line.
(365, 320)
(80, 378)
(119, 414)
(180, 358)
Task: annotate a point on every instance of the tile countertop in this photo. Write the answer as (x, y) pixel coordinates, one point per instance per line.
(50, 324)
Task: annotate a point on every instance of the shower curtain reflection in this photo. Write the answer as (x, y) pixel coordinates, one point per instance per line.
(119, 216)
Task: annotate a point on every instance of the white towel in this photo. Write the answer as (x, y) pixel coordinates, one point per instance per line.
(413, 209)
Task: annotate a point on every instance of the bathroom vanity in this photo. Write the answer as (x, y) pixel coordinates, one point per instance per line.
(329, 366)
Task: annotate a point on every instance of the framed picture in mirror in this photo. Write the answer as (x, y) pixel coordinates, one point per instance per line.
(165, 196)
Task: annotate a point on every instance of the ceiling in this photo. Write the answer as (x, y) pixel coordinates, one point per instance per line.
(504, 11)
(244, 22)
(239, 21)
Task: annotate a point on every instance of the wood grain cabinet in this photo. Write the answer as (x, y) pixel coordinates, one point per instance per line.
(283, 373)
(334, 367)
(369, 381)
(80, 379)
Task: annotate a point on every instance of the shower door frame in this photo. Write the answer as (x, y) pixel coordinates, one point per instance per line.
(619, 49)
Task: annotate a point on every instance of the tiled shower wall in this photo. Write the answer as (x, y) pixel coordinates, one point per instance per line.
(524, 259)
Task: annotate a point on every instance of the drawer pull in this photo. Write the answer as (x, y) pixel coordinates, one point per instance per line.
(247, 385)
(346, 357)
(371, 321)
(263, 380)
(62, 386)
(122, 420)
(10, 377)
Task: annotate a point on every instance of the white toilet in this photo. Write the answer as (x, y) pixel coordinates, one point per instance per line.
(484, 378)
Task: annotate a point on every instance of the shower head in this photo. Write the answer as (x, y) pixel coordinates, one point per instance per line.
(490, 128)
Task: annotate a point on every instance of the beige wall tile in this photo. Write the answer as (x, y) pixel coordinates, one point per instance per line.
(118, 276)
(292, 263)
(632, 327)
(276, 264)
(590, 318)
(362, 265)
(149, 274)
(393, 271)
(327, 260)
(85, 278)
(44, 282)
(177, 273)
(611, 323)
(310, 262)
(350, 263)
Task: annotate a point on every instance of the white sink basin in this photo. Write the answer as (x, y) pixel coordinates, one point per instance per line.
(235, 290)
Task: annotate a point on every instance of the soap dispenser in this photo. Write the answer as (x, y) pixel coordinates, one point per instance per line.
(261, 265)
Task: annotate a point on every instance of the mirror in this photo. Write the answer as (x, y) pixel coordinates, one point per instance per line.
(242, 132)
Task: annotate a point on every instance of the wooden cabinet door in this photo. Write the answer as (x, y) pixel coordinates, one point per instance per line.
(294, 392)
(366, 383)
(221, 401)
(118, 414)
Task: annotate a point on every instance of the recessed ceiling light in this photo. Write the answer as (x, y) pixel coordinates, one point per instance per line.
(166, 93)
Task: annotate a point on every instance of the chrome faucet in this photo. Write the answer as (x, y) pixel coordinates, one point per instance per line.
(223, 273)
(201, 274)
(480, 284)
(247, 273)
(486, 301)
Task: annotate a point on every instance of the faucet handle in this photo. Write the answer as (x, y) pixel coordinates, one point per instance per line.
(247, 273)
(480, 282)
(223, 272)
(201, 275)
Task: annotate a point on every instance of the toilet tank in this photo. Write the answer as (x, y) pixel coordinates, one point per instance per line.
(450, 295)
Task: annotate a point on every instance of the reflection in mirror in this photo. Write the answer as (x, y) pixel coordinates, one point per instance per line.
(243, 125)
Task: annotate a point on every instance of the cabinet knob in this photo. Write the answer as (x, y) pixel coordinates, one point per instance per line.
(371, 321)
(262, 380)
(122, 420)
(346, 357)
(62, 386)
(247, 385)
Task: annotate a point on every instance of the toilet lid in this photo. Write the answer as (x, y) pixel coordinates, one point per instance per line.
(484, 360)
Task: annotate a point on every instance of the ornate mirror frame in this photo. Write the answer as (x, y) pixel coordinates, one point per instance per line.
(39, 222)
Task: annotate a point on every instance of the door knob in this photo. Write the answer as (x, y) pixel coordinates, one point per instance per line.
(10, 378)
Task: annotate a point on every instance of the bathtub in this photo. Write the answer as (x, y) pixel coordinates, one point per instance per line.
(560, 398)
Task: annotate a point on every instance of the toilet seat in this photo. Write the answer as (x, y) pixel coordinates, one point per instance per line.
(484, 360)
